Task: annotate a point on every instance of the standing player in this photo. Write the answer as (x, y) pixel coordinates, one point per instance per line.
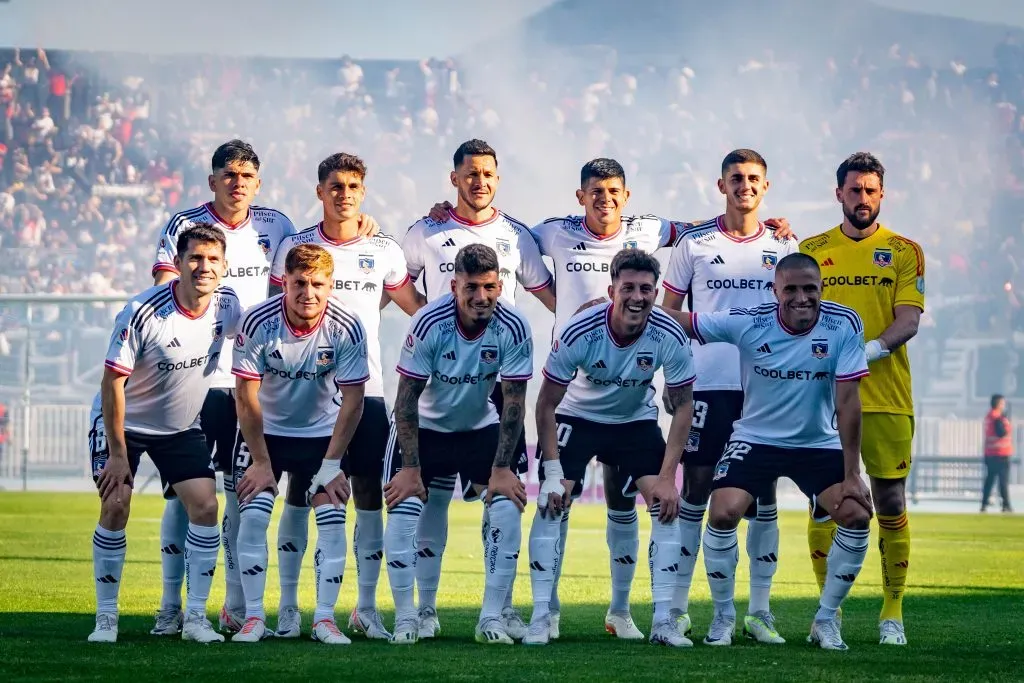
(292, 354)
(445, 423)
(368, 271)
(879, 274)
(802, 358)
(430, 246)
(724, 263)
(597, 399)
(168, 340)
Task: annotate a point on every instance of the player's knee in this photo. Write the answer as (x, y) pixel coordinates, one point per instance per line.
(203, 511)
(852, 515)
(114, 512)
(725, 517)
(889, 497)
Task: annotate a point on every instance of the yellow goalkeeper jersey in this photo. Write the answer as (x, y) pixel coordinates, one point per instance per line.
(872, 277)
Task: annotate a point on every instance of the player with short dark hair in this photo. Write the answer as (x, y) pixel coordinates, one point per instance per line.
(292, 355)
(726, 262)
(430, 246)
(167, 340)
(597, 399)
(444, 423)
(369, 273)
(801, 358)
(879, 274)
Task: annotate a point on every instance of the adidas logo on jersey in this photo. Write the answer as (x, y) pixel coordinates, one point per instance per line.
(599, 365)
(175, 344)
(449, 242)
(276, 354)
(580, 247)
(449, 356)
(828, 262)
(764, 348)
(718, 260)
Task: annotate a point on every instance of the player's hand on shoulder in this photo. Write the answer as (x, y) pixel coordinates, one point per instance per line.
(368, 226)
(504, 482)
(258, 477)
(782, 228)
(665, 492)
(592, 303)
(439, 212)
(407, 483)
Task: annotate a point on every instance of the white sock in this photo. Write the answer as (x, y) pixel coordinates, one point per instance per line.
(201, 546)
(543, 560)
(691, 518)
(253, 557)
(623, 538)
(368, 547)
(400, 554)
(506, 535)
(844, 564)
(173, 527)
(763, 553)
(663, 561)
(329, 559)
(431, 538)
(108, 551)
(234, 598)
(563, 534)
(292, 538)
(721, 555)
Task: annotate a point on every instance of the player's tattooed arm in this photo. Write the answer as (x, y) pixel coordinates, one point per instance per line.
(512, 415)
(681, 399)
(407, 418)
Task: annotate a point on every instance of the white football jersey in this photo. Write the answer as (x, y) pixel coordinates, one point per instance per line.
(719, 272)
(461, 372)
(168, 356)
(300, 372)
(611, 383)
(583, 259)
(363, 268)
(789, 377)
(430, 250)
(250, 251)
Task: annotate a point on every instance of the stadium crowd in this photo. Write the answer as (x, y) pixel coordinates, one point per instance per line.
(97, 151)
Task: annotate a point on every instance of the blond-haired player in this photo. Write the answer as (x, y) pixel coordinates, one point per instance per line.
(879, 274)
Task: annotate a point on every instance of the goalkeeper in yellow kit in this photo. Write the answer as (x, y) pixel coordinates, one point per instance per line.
(879, 274)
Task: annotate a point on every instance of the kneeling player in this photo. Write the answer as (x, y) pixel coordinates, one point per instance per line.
(292, 354)
(446, 424)
(801, 360)
(168, 340)
(597, 399)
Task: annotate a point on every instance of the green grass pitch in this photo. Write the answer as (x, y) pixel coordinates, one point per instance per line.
(963, 611)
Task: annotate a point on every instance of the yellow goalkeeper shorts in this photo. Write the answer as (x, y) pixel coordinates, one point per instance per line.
(886, 444)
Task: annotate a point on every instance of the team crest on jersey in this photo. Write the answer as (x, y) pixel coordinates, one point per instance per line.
(218, 331)
(264, 242)
(324, 357)
(503, 247)
(489, 354)
(883, 258)
(645, 361)
(554, 346)
(366, 263)
(769, 259)
(410, 343)
(123, 337)
(630, 244)
(920, 285)
(819, 348)
(692, 442)
(239, 340)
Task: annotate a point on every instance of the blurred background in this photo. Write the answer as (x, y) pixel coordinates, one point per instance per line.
(111, 110)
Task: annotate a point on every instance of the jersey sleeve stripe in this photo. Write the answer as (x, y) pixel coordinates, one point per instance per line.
(843, 312)
(557, 380)
(852, 376)
(409, 373)
(686, 382)
(908, 302)
(352, 382)
(514, 222)
(675, 290)
(276, 281)
(257, 316)
(547, 283)
(149, 307)
(589, 319)
(399, 285)
(178, 219)
(348, 321)
(244, 374)
(117, 367)
(161, 266)
(432, 318)
(918, 253)
(667, 323)
(511, 321)
(578, 332)
(516, 378)
(696, 329)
